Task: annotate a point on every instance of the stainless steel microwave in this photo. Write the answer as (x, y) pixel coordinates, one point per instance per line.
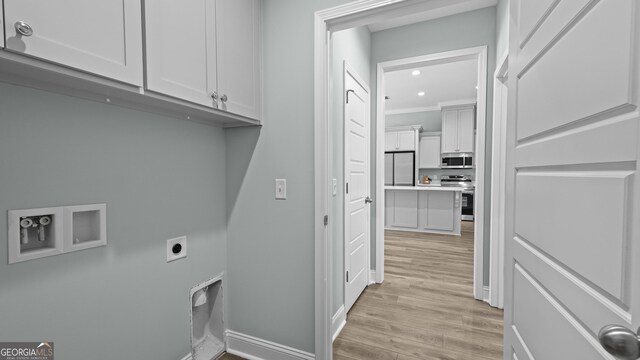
(457, 161)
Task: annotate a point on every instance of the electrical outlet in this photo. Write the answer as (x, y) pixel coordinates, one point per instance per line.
(176, 248)
(281, 189)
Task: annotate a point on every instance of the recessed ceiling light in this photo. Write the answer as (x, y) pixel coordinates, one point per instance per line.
(421, 93)
(415, 72)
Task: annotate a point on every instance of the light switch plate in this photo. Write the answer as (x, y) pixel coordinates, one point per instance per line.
(180, 243)
(281, 189)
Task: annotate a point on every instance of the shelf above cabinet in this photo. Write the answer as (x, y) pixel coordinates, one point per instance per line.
(19, 70)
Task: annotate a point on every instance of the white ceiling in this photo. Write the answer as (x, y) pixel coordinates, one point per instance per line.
(442, 84)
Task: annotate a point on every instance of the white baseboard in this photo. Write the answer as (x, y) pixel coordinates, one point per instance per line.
(188, 357)
(338, 322)
(252, 348)
(485, 294)
(372, 277)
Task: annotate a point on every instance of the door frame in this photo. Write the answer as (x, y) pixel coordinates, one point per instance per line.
(348, 70)
(480, 54)
(352, 14)
(498, 180)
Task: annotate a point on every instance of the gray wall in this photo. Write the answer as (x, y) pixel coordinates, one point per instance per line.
(160, 177)
(502, 28)
(271, 243)
(475, 28)
(430, 120)
(354, 46)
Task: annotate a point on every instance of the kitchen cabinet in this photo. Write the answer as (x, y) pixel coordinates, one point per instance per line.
(430, 152)
(437, 210)
(102, 38)
(400, 140)
(1, 27)
(206, 52)
(404, 209)
(423, 209)
(458, 134)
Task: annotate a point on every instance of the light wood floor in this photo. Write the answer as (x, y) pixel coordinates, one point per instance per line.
(425, 307)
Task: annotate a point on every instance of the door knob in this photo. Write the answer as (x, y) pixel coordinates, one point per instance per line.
(620, 342)
(223, 98)
(214, 95)
(368, 200)
(23, 28)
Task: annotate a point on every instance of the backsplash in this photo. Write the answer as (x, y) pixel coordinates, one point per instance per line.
(436, 174)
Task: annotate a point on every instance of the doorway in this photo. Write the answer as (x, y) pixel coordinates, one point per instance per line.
(342, 17)
(479, 56)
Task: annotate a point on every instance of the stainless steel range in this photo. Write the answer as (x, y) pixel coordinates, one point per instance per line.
(465, 182)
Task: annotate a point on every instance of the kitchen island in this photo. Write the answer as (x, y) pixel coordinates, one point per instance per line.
(424, 208)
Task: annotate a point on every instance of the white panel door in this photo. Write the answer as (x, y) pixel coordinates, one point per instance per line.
(449, 131)
(466, 134)
(430, 152)
(1, 27)
(239, 47)
(405, 209)
(181, 59)
(406, 141)
(357, 173)
(100, 37)
(391, 141)
(572, 239)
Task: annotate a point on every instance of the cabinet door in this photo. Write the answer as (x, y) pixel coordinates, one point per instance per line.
(1, 27)
(239, 52)
(99, 37)
(181, 52)
(430, 152)
(406, 140)
(450, 131)
(466, 135)
(405, 209)
(440, 210)
(390, 141)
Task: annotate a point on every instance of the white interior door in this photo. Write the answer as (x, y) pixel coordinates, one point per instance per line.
(357, 175)
(572, 240)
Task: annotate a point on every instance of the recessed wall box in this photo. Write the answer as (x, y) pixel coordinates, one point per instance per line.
(35, 233)
(207, 326)
(85, 226)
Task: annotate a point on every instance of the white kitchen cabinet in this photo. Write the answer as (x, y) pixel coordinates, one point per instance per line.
(458, 134)
(238, 35)
(1, 27)
(404, 208)
(400, 140)
(206, 52)
(437, 210)
(430, 152)
(102, 38)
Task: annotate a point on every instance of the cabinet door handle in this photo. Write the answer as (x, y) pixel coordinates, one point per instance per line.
(23, 28)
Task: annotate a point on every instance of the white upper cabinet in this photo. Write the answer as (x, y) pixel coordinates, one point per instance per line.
(239, 48)
(458, 134)
(400, 140)
(181, 49)
(1, 27)
(430, 152)
(99, 37)
(206, 52)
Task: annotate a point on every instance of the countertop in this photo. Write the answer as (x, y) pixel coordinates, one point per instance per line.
(430, 187)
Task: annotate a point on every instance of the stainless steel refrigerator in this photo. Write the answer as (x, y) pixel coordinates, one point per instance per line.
(399, 168)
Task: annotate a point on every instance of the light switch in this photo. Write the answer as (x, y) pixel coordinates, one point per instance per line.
(281, 189)
(334, 186)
